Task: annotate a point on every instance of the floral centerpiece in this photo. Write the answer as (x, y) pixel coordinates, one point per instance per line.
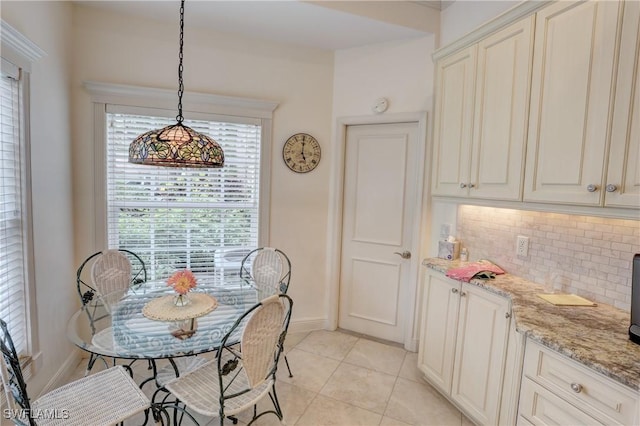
(182, 282)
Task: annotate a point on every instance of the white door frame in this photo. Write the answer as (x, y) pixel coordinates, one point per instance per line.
(334, 222)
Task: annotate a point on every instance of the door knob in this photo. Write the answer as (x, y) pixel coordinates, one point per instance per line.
(405, 254)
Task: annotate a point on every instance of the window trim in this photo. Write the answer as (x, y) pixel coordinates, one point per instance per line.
(22, 52)
(103, 95)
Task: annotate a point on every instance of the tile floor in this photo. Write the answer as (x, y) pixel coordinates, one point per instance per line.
(344, 380)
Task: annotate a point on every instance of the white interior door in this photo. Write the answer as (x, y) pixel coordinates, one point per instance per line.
(378, 208)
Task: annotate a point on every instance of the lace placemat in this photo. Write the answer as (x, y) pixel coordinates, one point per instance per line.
(164, 309)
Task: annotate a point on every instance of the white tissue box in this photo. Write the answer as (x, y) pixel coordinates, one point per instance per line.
(449, 251)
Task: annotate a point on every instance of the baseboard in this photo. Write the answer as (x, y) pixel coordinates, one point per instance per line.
(64, 372)
(308, 324)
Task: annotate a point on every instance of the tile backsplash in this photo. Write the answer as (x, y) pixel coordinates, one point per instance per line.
(586, 255)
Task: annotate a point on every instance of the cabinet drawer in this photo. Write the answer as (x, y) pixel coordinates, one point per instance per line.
(591, 392)
(538, 406)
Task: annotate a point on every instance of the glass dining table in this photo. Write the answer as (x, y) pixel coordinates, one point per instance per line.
(118, 325)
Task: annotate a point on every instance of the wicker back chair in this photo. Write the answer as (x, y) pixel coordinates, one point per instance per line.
(111, 267)
(80, 403)
(269, 268)
(242, 374)
(100, 275)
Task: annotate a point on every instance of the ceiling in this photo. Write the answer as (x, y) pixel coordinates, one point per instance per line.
(318, 24)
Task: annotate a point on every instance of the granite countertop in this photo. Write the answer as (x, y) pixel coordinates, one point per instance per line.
(594, 336)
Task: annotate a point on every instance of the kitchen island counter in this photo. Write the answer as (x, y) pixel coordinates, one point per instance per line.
(595, 336)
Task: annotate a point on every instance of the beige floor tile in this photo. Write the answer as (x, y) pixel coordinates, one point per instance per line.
(324, 411)
(376, 356)
(466, 421)
(410, 369)
(420, 404)
(293, 402)
(310, 371)
(362, 387)
(388, 421)
(331, 344)
(293, 339)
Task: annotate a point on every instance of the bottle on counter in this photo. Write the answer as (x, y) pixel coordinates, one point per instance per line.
(464, 254)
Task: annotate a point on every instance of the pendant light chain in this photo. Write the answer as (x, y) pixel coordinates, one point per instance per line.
(179, 117)
(176, 145)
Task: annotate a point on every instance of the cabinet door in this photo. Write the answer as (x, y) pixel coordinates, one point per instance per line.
(570, 101)
(453, 120)
(623, 176)
(481, 347)
(501, 111)
(438, 330)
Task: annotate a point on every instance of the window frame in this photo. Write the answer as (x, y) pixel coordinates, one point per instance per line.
(107, 97)
(22, 52)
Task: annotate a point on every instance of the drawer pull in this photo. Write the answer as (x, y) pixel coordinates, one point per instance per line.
(576, 387)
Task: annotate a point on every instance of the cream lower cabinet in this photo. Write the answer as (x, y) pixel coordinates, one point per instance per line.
(558, 391)
(463, 345)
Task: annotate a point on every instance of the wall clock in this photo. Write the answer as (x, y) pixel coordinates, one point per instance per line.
(301, 153)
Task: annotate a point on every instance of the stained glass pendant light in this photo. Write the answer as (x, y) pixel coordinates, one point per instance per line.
(176, 145)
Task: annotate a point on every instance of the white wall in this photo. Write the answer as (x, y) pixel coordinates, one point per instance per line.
(48, 24)
(118, 49)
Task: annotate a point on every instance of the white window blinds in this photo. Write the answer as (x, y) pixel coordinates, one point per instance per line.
(178, 218)
(12, 209)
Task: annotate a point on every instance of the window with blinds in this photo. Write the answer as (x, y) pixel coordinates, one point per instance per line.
(174, 218)
(13, 294)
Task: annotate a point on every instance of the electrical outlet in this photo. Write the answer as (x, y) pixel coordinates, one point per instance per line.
(522, 246)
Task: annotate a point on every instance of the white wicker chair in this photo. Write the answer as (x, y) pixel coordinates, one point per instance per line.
(97, 278)
(241, 375)
(270, 269)
(105, 398)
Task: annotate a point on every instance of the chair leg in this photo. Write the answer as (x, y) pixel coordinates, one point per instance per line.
(288, 368)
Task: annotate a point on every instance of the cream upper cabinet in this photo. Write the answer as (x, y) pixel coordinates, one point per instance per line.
(463, 344)
(623, 174)
(571, 102)
(481, 115)
(501, 110)
(453, 126)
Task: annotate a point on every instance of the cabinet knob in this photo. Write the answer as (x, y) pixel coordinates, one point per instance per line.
(576, 387)
(463, 185)
(454, 290)
(592, 188)
(463, 294)
(471, 185)
(611, 188)
(507, 315)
